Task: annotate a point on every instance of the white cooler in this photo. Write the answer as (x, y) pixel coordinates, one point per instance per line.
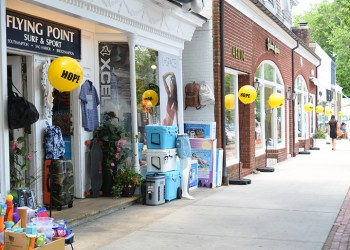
(161, 160)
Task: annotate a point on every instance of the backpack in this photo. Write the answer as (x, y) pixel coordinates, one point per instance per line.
(206, 96)
(192, 95)
(20, 112)
(53, 142)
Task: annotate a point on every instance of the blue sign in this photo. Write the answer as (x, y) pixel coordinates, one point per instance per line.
(31, 33)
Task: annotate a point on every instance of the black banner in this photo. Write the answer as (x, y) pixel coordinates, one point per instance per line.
(35, 34)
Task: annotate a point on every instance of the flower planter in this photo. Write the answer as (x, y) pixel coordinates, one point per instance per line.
(128, 191)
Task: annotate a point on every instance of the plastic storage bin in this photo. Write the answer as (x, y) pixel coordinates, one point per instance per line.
(161, 160)
(172, 185)
(155, 190)
(161, 137)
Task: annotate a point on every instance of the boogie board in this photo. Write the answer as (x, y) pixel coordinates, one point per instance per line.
(96, 168)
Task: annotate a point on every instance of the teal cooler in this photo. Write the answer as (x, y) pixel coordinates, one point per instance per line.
(172, 183)
(161, 137)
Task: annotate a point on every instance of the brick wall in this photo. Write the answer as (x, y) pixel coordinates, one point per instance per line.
(249, 37)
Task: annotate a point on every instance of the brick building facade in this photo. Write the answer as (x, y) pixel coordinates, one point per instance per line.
(247, 30)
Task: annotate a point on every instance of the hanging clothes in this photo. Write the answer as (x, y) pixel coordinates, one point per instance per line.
(89, 102)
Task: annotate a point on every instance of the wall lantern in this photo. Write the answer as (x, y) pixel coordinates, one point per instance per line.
(256, 84)
(289, 93)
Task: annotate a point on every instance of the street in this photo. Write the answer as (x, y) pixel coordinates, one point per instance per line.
(292, 208)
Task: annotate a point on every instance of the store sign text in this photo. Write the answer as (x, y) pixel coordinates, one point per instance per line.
(105, 73)
(272, 46)
(30, 33)
(237, 53)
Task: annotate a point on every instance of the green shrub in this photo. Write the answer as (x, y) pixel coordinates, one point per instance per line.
(320, 134)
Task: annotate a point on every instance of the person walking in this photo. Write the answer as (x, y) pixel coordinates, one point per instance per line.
(332, 130)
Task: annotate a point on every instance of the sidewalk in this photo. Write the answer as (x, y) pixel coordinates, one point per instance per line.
(295, 207)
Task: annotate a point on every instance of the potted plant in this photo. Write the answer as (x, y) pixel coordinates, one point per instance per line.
(319, 134)
(110, 135)
(19, 163)
(126, 179)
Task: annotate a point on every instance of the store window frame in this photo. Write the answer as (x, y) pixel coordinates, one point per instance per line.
(302, 97)
(274, 81)
(235, 113)
(312, 99)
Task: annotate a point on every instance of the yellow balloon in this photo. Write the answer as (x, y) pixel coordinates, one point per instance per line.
(276, 100)
(150, 95)
(319, 109)
(328, 111)
(308, 107)
(230, 101)
(247, 94)
(65, 73)
(340, 113)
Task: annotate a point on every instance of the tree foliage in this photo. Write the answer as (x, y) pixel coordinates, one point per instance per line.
(330, 28)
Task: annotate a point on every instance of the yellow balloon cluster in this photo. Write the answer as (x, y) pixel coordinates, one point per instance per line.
(308, 107)
(65, 73)
(247, 94)
(230, 101)
(319, 109)
(150, 95)
(276, 100)
(328, 111)
(340, 113)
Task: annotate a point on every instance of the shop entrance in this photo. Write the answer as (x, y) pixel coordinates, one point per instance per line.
(28, 74)
(18, 138)
(61, 115)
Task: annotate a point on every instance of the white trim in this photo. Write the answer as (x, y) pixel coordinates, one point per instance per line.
(236, 110)
(4, 136)
(163, 21)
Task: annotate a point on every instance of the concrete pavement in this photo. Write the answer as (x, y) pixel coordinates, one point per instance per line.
(294, 207)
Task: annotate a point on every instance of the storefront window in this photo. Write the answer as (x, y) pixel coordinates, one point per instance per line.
(146, 79)
(279, 123)
(301, 116)
(268, 118)
(312, 115)
(231, 115)
(258, 127)
(272, 127)
(269, 72)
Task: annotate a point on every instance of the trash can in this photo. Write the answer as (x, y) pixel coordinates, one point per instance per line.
(155, 189)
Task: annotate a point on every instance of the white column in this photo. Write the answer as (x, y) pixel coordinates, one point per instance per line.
(134, 136)
(180, 98)
(4, 135)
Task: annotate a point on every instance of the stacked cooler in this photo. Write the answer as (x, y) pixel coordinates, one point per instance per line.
(163, 179)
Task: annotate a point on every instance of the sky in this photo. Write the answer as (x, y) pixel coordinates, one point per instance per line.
(303, 6)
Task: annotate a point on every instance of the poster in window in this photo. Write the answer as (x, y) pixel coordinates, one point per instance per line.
(169, 88)
(114, 77)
